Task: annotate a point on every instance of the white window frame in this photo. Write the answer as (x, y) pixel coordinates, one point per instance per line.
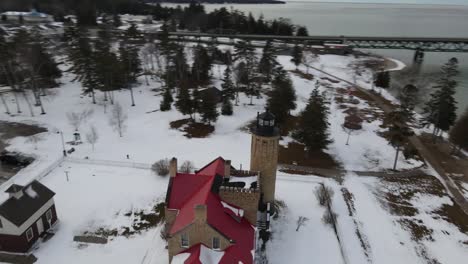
(184, 240)
(29, 234)
(49, 216)
(213, 246)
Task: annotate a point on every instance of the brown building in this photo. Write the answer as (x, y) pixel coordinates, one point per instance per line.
(212, 211)
(26, 216)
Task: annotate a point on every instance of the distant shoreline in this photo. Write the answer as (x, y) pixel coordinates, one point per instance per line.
(222, 2)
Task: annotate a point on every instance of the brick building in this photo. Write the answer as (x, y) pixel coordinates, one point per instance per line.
(212, 214)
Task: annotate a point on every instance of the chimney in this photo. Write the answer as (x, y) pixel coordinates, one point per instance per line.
(227, 169)
(200, 213)
(173, 167)
(15, 191)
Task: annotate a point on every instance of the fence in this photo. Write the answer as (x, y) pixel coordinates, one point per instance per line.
(125, 164)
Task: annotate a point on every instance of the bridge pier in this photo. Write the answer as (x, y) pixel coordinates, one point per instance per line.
(418, 55)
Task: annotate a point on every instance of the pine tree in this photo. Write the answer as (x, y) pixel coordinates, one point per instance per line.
(208, 110)
(245, 53)
(132, 32)
(80, 55)
(459, 133)
(297, 55)
(408, 101)
(302, 32)
(383, 79)
(268, 61)
(440, 110)
(228, 86)
(226, 108)
(398, 131)
(313, 124)
(167, 101)
(201, 65)
(196, 102)
(184, 103)
(283, 96)
(116, 20)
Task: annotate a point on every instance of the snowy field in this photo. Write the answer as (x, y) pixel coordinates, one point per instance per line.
(98, 197)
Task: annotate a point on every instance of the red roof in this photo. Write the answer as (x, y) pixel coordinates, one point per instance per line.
(189, 190)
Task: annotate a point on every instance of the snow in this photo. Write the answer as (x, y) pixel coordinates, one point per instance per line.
(209, 256)
(314, 240)
(246, 180)
(237, 211)
(30, 192)
(98, 196)
(180, 258)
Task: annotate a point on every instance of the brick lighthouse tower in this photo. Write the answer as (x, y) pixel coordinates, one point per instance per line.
(264, 154)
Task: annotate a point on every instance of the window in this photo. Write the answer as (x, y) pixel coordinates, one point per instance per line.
(1, 224)
(49, 216)
(216, 243)
(184, 240)
(260, 122)
(272, 122)
(29, 234)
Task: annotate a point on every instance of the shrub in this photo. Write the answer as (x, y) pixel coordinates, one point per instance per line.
(161, 167)
(324, 195)
(187, 167)
(329, 218)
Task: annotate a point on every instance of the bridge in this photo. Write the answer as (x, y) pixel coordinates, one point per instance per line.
(420, 44)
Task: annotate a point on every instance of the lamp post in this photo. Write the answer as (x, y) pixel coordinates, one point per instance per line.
(63, 143)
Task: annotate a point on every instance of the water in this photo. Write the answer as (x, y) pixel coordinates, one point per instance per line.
(379, 20)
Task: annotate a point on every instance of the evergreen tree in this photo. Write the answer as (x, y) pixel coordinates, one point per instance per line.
(130, 64)
(184, 102)
(441, 108)
(228, 86)
(132, 32)
(201, 65)
(408, 101)
(245, 53)
(268, 61)
(302, 32)
(297, 55)
(208, 110)
(398, 131)
(459, 133)
(167, 100)
(196, 102)
(116, 20)
(80, 55)
(382, 79)
(313, 124)
(226, 108)
(283, 96)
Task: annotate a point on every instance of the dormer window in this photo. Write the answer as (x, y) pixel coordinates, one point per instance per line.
(216, 243)
(184, 240)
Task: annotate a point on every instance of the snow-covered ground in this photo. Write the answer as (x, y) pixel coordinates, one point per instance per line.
(98, 197)
(96, 194)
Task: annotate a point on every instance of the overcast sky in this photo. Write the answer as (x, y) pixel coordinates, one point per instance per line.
(442, 2)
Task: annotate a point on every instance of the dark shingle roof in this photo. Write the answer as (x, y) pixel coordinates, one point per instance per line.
(20, 210)
(14, 188)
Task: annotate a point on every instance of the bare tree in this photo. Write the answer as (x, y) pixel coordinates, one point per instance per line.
(75, 119)
(309, 59)
(187, 167)
(301, 221)
(161, 167)
(324, 195)
(118, 118)
(93, 136)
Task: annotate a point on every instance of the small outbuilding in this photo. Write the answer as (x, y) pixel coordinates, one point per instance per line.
(27, 215)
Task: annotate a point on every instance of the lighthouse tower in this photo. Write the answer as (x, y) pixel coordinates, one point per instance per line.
(264, 154)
